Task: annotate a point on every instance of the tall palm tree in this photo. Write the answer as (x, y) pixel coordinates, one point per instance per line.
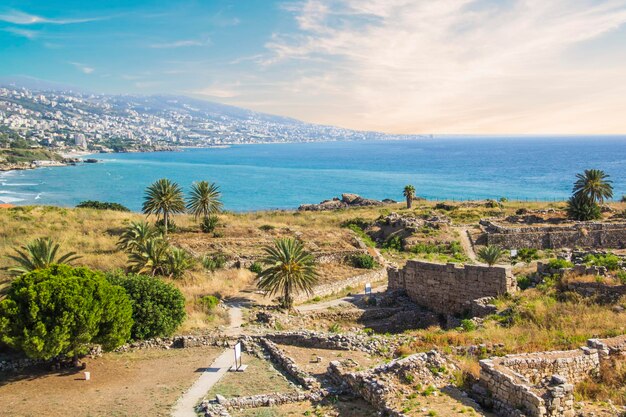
(136, 235)
(204, 200)
(594, 185)
(39, 254)
(289, 269)
(164, 197)
(409, 193)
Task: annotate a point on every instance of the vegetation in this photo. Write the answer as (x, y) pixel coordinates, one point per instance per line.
(289, 269)
(136, 234)
(39, 254)
(490, 254)
(100, 205)
(164, 198)
(591, 187)
(16, 155)
(527, 255)
(60, 310)
(610, 261)
(213, 262)
(409, 194)
(158, 307)
(559, 263)
(178, 261)
(204, 201)
(363, 261)
(452, 251)
(256, 267)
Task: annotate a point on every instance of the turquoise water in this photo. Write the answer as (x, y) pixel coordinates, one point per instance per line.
(254, 177)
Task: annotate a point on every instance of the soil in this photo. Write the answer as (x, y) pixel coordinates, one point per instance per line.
(140, 383)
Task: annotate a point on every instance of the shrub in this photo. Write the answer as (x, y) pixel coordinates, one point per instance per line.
(527, 255)
(609, 261)
(177, 262)
(394, 242)
(621, 275)
(468, 325)
(158, 307)
(213, 262)
(267, 227)
(490, 254)
(61, 310)
(582, 209)
(101, 205)
(256, 267)
(493, 204)
(209, 224)
(363, 261)
(358, 222)
(444, 206)
(524, 282)
(559, 264)
(209, 302)
(362, 235)
(171, 226)
(623, 200)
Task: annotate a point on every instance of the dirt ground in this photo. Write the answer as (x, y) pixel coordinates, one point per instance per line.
(141, 383)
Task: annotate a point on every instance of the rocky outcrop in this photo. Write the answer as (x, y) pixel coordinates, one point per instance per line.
(347, 200)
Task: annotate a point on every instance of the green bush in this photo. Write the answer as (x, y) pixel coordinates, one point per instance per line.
(559, 264)
(61, 310)
(363, 261)
(582, 209)
(100, 205)
(394, 243)
(209, 224)
(171, 226)
(468, 325)
(256, 267)
(213, 262)
(527, 255)
(358, 222)
(209, 302)
(609, 261)
(524, 282)
(623, 200)
(621, 275)
(267, 227)
(362, 235)
(158, 307)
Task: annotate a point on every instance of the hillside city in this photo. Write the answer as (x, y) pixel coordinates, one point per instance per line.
(108, 123)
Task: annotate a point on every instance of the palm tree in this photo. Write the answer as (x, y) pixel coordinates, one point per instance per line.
(409, 193)
(150, 258)
(594, 185)
(39, 254)
(164, 197)
(204, 200)
(178, 261)
(490, 254)
(136, 235)
(289, 269)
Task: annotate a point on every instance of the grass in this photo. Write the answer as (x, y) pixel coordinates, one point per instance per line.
(13, 156)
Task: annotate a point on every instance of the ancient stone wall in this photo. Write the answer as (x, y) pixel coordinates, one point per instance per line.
(357, 281)
(450, 289)
(541, 384)
(584, 235)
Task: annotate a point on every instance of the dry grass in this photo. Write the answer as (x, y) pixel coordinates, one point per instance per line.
(611, 385)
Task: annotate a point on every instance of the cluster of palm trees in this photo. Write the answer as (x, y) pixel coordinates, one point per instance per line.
(150, 253)
(164, 198)
(39, 254)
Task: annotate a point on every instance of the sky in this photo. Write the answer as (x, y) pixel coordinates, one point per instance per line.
(398, 66)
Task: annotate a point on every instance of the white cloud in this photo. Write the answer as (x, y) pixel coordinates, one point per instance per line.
(85, 69)
(25, 33)
(179, 44)
(20, 18)
(453, 65)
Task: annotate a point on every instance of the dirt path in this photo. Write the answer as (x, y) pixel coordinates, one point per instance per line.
(186, 404)
(466, 243)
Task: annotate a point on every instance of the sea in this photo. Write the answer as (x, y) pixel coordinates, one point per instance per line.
(283, 176)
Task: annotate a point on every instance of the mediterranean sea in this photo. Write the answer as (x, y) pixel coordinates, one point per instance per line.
(283, 176)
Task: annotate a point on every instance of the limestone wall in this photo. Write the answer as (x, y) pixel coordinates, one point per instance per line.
(357, 281)
(585, 235)
(450, 289)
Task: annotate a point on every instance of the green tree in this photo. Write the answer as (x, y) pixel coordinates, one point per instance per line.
(204, 201)
(164, 198)
(593, 185)
(136, 235)
(289, 269)
(158, 307)
(409, 194)
(39, 254)
(490, 254)
(61, 310)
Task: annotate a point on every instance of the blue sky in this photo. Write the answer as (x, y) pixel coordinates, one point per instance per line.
(405, 66)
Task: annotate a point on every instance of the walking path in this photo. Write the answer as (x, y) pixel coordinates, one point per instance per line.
(350, 299)
(186, 404)
(466, 243)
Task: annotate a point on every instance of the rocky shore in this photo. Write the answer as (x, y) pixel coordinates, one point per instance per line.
(347, 200)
